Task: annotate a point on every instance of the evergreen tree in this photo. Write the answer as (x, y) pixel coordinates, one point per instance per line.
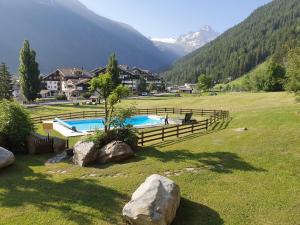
(113, 69)
(204, 83)
(29, 73)
(142, 87)
(5, 83)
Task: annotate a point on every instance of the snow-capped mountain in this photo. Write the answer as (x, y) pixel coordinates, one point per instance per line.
(186, 43)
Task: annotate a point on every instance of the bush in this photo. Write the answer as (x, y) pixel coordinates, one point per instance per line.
(61, 97)
(86, 95)
(76, 104)
(126, 135)
(15, 126)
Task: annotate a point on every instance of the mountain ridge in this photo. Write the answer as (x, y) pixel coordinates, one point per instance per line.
(67, 34)
(242, 47)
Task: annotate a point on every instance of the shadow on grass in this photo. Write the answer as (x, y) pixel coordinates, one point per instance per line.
(78, 201)
(220, 162)
(193, 213)
(221, 125)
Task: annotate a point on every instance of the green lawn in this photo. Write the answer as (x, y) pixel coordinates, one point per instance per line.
(239, 178)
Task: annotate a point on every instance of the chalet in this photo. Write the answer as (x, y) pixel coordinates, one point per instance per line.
(68, 81)
(131, 76)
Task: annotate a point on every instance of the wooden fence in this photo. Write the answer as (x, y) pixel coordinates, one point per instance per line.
(160, 134)
(153, 111)
(155, 134)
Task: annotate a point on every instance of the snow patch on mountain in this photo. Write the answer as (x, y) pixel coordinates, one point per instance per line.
(187, 43)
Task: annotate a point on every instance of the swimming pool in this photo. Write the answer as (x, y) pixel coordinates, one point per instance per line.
(88, 125)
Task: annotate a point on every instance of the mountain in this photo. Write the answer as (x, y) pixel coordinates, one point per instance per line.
(65, 33)
(186, 43)
(243, 47)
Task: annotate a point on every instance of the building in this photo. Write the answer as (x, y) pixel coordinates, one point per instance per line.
(187, 88)
(131, 77)
(16, 89)
(68, 81)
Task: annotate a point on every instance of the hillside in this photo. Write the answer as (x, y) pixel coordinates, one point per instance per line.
(66, 33)
(244, 82)
(242, 47)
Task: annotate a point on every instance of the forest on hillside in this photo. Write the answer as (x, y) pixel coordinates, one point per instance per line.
(271, 29)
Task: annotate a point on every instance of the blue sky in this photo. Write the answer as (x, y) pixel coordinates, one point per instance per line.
(171, 18)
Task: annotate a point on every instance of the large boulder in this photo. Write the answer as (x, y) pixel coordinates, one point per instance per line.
(84, 153)
(6, 157)
(155, 202)
(116, 151)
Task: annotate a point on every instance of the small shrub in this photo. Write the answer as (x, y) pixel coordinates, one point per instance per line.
(76, 104)
(126, 135)
(61, 97)
(15, 125)
(86, 95)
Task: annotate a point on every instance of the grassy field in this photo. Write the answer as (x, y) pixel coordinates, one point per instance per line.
(238, 178)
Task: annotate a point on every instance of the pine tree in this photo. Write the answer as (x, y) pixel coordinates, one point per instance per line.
(113, 69)
(5, 83)
(29, 73)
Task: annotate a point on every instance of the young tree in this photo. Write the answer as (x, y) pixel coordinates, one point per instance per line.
(152, 87)
(113, 69)
(274, 77)
(103, 85)
(204, 83)
(5, 83)
(293, 71)
(29, 73)
(142, 86)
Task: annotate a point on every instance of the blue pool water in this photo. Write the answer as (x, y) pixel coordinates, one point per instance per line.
(97, 124)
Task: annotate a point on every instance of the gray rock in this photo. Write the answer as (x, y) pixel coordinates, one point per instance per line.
(84, 153)
(155, 202)
(116, 151)
(241, 129)
(6, 157)
(58, 158)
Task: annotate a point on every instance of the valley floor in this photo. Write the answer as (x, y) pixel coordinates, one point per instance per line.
(226, 177)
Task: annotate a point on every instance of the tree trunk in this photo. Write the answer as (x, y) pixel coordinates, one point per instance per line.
(106, 116)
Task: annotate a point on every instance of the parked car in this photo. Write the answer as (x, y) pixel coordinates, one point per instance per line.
(144, 94)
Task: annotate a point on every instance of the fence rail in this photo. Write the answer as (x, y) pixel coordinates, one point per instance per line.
(100, 113)
(160, 134)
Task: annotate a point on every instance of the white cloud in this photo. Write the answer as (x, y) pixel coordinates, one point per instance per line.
(165, 40)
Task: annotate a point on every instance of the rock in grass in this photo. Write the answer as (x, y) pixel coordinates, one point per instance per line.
(85, 153)
(241, 129)
(116, 151)
(6, 157)
(155, 202)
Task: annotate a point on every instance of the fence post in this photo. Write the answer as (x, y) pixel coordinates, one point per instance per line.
(163, 134)
(52, 144)
(173, 110)
(142, 137)
(206, 124)
(177, 130)
(192, 128)
(155, 111)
